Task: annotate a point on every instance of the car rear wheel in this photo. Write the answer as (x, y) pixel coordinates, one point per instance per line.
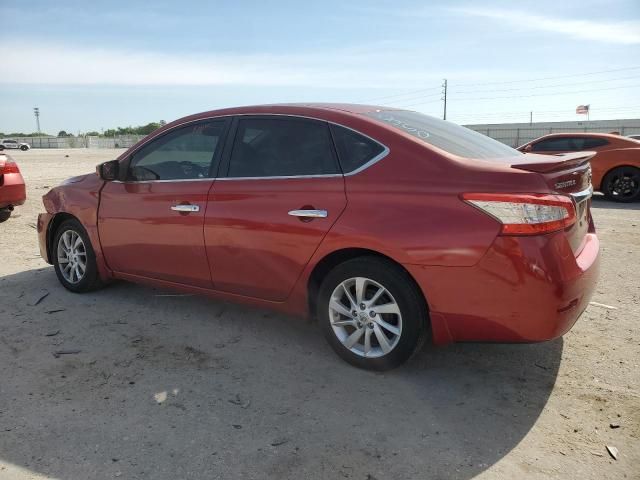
(371, 313)
(622, 184)
(74, 259)
(4, 215)
(1, 147)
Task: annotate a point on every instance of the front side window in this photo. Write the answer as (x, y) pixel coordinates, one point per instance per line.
(281, 147)
(354, 149)
(447, 136)
(183, 154)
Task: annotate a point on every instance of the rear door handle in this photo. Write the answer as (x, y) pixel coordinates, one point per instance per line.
(185, 208)
(308, 213)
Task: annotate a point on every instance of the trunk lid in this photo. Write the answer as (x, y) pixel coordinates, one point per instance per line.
(566, 174)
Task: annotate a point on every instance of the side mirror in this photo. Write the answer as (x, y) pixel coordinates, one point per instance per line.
(108, 171)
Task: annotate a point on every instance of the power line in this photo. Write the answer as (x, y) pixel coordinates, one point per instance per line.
(581, 74)
(430, 89)
(552, 93)
(549, 112)
(546, 86)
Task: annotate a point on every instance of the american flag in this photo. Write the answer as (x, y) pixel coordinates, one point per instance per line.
(582, 109)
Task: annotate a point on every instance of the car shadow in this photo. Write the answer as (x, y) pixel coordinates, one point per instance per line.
(600, 201)
(157, 386)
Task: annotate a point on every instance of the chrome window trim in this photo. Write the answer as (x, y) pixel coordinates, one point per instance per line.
(208, 179)
(361, 168)
(281, 177)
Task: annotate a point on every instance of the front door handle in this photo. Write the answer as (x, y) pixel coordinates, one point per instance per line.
(185, 208)
(308, 213)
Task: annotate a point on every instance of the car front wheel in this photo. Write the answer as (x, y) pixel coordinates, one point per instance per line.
(4, 215)
(24, 148)
(372, 314)
(74, 259)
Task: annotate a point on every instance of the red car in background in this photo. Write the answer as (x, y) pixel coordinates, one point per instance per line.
(389, 226)
(615, 167)
(12, 188)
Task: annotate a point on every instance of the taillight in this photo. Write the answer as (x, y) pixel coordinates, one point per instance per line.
(10, 167)
(525, 214)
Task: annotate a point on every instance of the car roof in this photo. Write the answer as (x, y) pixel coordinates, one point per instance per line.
(321, 111)
(612, 138)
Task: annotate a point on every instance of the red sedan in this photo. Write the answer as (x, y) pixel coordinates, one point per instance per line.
(389, 226)
(12, 188)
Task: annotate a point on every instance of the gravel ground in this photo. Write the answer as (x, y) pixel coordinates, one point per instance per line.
(175, 387)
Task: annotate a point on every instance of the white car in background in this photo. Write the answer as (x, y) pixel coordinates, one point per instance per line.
(14, 144)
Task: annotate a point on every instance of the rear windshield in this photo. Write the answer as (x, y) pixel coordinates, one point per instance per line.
(447, 136)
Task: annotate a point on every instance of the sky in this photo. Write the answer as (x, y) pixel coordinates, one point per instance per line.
(98, 65)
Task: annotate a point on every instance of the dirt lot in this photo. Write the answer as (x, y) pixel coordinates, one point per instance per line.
(175, 387)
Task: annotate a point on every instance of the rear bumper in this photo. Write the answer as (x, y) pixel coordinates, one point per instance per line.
(525, 289)
(44, 219)
(12, 190)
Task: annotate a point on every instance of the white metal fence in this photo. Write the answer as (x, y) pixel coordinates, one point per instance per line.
(516, 136)
(122, 141)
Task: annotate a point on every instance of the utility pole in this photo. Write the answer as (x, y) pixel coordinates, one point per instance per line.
(444, 97)
(530, 118)
(36, 112)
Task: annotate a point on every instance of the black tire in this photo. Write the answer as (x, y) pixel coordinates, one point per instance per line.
(4, 215)
(90, 279)
(1, 148)
(622, 184)
(24, 148)
(400, 288)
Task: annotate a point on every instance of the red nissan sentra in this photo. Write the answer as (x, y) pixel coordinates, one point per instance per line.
(389, 226)
(12, 188)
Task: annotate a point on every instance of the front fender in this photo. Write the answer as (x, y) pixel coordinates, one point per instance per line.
(77, 197)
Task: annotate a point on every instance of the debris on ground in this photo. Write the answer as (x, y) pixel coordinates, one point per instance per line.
(240, 402)
(597, 304)
(58, 353)
(56, 310)
(613, 451)
(279, 441)
(52, 333)
(38, 296)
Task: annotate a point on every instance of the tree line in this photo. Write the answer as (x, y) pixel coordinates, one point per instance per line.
(112, 132)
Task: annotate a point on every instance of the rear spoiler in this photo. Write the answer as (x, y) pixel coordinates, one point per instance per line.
(552, 163)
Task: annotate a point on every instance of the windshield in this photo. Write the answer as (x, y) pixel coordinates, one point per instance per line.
(447, 136)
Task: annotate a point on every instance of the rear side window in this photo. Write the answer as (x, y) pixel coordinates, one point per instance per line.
(282, 147)
(446, 136)
(568, 144)
(182, 154)
(354, 150)
(561, 144)
(594, 143)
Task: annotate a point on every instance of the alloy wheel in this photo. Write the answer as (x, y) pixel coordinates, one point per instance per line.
(625, 184)
(365, 317)
(72, 256)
